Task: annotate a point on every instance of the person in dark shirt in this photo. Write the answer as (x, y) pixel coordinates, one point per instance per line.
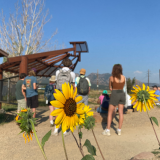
(29, 84)
(20, 93)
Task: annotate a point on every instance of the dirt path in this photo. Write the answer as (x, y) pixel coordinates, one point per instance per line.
(137, 136)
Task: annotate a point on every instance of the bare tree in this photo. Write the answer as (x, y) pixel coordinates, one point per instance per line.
(23, 34)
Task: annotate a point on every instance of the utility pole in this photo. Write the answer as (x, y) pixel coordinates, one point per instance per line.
(97, 79)
(148, 77)
(159, 75)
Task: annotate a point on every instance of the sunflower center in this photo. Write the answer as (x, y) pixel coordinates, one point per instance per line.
(140, 95)
(70, 107)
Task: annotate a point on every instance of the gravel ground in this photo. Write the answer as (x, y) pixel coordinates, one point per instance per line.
(137, 136)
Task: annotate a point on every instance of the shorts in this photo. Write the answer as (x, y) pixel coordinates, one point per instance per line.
(21, 104)
(117, 97)
(32, 102)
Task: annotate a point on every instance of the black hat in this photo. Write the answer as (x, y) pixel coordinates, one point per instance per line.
(154, 86)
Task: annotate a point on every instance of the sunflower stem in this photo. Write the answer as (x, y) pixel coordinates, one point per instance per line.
(35, 134)
(151, 120)
(78, 145)
(64, 146)
(97, 144)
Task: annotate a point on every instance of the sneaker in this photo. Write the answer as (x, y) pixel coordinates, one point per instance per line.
(55, 133)
(106, 133)
(66, 134)
(118, 132)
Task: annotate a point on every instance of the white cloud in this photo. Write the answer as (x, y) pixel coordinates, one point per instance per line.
(137, 72)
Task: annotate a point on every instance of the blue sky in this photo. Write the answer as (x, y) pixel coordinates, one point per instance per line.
(117, 31)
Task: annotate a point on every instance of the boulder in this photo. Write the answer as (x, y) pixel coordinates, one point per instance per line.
(144, 156)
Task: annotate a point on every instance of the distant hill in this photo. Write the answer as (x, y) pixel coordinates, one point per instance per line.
(103, 80)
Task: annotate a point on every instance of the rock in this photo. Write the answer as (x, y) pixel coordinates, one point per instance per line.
(144, 156)
(100, 118)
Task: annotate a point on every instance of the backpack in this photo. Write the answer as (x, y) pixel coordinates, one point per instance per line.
(83, 86)
(105, 102)
(62, 78)
(49, 90)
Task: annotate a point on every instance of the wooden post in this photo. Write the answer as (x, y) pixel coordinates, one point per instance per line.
(1, 86)
(23, 67)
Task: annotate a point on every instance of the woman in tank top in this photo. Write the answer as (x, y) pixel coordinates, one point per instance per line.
(116, 84)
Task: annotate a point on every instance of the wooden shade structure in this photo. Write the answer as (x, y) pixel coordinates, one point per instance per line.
(46, 63)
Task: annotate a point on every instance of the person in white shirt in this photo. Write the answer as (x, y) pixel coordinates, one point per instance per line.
(64, 75)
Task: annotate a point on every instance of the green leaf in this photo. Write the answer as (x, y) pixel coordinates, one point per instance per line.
(155, 120)
(80, 135)
(45, 138)
(88, 157)
(91, 149)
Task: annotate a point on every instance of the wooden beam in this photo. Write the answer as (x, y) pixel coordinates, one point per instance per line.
(40, 55)
(58, 60)
(75, 65)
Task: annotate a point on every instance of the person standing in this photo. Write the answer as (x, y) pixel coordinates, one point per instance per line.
(116, 84)
(104, 102)
(83, 85)
(49, 90)
(29, 84)
(64, 75)
(20, 93)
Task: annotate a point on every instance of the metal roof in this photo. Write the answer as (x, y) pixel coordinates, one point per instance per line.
(47, 63)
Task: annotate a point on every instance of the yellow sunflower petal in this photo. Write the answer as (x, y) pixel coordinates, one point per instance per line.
(154, 95)
(139, 87)
(17, 117)
(148, 105)
(80, 105)
(143, 86)
(134, 91)
(144, 107)
(64, 126)
(59, 118)
(147, 88)
(56, 112)
(135, 105)
(139, 105)
(133, 97)
(57, 104)
(79, 111)
(153, 98)
(75, 93)
(136, 88)
(79, 98)
(65, 90)
(24, 110)
(71, 92)
(59, 96)
(152, 91)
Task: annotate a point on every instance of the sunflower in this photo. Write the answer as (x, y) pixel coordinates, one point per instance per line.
(143, 93)
(69, 110)
(23, 119)
(87, 113)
